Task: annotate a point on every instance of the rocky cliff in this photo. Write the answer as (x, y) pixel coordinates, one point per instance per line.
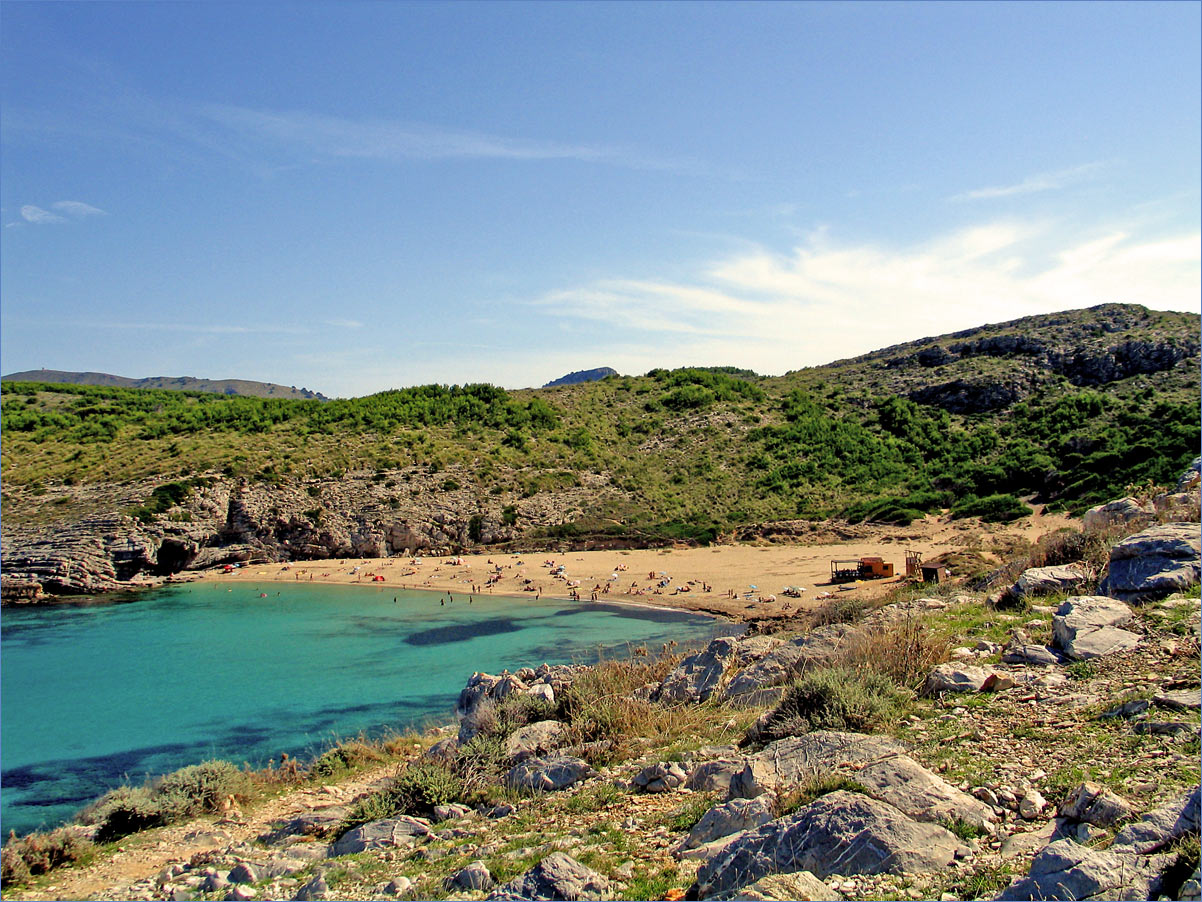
(228, 520)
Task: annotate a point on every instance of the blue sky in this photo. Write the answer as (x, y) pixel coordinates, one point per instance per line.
(354, 197)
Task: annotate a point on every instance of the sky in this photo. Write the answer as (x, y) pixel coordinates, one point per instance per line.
(356, 197)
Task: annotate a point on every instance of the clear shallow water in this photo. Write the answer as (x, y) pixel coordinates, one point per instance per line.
(92, 695)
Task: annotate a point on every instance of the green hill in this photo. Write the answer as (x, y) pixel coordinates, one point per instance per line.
(1065, 409)
(242, 387)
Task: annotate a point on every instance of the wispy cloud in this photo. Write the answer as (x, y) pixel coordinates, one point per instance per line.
(827, 300)
(73, 208)
(1047, 181)
(384, 139)
(38, 216)
(343, 323)
(78, 208)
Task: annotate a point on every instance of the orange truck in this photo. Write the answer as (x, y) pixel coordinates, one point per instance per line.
(864, 568)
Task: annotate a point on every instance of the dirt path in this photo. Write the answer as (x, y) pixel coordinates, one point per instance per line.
(143, 856)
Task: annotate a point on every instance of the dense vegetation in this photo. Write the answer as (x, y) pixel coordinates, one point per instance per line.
(690, 452)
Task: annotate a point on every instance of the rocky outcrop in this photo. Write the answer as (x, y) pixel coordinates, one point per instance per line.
(794, 759)
(547, 774)
(558, 876)
(839, 833)
(385, 834)
(1088, 626)
(727, 819)
(1047, 580)
(1066, 870)
(229, 520)
(1155, 563)
(1115, 513)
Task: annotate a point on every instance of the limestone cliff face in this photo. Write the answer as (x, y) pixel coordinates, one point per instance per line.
(233, 520)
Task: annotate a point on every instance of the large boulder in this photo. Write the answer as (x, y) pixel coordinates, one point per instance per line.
(535, 739)
(384, 834)
(799, 887)
(558, 876)
(1048, 580)
(1156, 829)
(795, 759)
(781, 663)
(1066, 870)
(1095, 804)
(911, 788)
(1087, 626)
(699, 676)
(547, 774)
(1155, 563)
(731, 817)
(1191, 476)
(841, 832)
(956, 678)
(1113, 513)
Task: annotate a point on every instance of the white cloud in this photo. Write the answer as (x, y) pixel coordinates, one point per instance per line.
(343, 323)
(827, 300)
(1047, 181)
(385, 139)
(78, 209)
(38, 216)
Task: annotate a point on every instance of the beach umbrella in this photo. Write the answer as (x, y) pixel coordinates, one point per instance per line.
(752, 587)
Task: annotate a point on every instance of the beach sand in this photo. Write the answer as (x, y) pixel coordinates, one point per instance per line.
(735, 581)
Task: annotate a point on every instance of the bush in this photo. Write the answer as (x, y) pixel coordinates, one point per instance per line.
(38, 853)
(122, 811)
(836, 698)
(991, 509)
(200, 789)
(341, 758)
(415, 791)
(187, 792)
(904, 651)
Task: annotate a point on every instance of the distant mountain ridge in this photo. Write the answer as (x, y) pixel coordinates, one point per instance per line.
(244, 387)
(593, 375)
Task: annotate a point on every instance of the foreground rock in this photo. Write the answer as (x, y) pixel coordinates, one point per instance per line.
(1047, 580)
(558, 876)
(1155, 563)
(1087, 626)
(1158, 828)
(1095, 804)
(385, 834)
(797, 758)
(841, 832)
(1067, 870)
(800, 887)
(820, 646)
(732, 817)
(548, 774)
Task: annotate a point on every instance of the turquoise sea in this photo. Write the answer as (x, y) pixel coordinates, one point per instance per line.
(96, 694)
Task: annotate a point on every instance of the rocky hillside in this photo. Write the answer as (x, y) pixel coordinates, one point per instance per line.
(1064, 410)
(243, 387)
(1028, 745)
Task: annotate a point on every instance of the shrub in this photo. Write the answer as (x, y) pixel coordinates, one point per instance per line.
(124, 810)
(991, 508)
(836, 698)
(425, 784)
(38, 853)
(904, 651)
(200, 789)
(344, 757)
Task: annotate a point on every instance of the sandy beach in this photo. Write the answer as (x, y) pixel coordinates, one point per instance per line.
(742, 582)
